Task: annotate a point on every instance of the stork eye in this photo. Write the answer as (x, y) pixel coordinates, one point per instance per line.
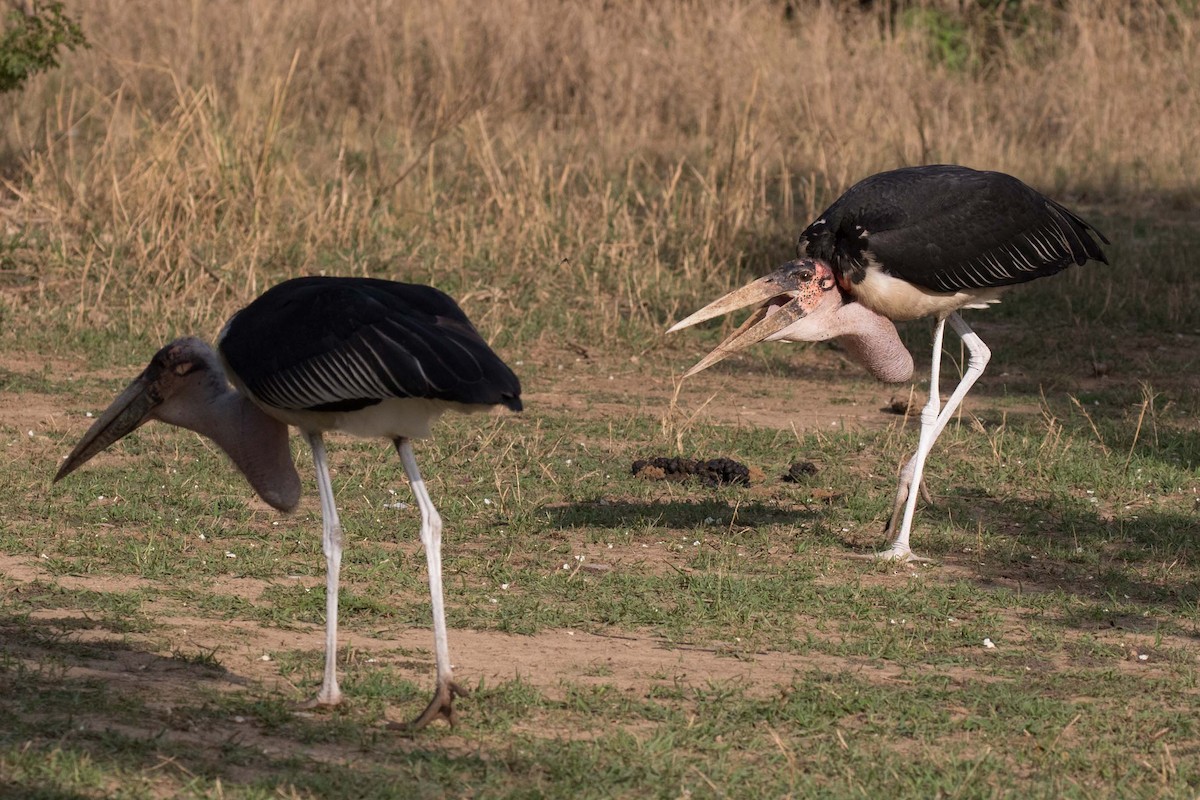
(184, 367)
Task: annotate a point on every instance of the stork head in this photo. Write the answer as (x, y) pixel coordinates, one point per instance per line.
(185, 385)
(179, 369)
(784, 297)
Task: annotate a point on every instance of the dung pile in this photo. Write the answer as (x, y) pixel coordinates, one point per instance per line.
(714, 472)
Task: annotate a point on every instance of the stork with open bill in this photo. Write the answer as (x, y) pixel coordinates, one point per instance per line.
(917, 242)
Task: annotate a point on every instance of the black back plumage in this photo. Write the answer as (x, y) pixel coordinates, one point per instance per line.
(949, 228)
(341, 344)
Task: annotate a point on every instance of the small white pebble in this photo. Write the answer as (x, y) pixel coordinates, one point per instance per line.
(570, 633)
(264, 657)
(696, 543)
(493, 600)
(487, 502)
(239, 720)
(989, 644)
(230, 555)
(504, 586)
(1143, 657)
(202, 537)
(87, 414)
(31, 433)
(610, 546)
(566, 566)
(568, 460)
(45, 556)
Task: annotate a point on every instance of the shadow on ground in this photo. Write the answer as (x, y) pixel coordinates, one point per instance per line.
(73, 708)
(672, 514)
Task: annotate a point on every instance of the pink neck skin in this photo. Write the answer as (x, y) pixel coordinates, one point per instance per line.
(869, 339)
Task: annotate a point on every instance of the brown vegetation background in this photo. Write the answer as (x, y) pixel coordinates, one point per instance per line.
(579, 164)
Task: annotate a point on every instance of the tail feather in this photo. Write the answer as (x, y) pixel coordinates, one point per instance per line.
(1081, 231)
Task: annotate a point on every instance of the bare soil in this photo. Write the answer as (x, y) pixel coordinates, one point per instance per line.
(815, 397)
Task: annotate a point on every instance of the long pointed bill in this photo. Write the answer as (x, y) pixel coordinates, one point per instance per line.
(786, 295)
(762, 323)
(131, 408)
(788, 278)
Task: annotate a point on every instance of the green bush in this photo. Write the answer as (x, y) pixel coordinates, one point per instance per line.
(31, 42)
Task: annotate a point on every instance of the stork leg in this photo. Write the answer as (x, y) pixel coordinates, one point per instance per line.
(431, 540)
(934, 418)
(331, 543)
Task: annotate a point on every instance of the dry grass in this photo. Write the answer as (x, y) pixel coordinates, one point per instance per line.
(605, 163)
(581, 171)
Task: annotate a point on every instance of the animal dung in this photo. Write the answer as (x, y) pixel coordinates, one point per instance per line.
(799, 471)
(714, 472)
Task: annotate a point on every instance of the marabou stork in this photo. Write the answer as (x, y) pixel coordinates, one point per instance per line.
(358, 355)
(909, 243)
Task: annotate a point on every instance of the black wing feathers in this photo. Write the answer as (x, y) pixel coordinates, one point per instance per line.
(950, 228)
(340, 344)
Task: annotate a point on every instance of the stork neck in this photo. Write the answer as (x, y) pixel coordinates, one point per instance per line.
(255, 442)
(872, 340)
(258, 445)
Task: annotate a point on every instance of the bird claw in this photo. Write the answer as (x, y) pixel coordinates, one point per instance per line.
(439, 707)
(900, 555)
(321, 702)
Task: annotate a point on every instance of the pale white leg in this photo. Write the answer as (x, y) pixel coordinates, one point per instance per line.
(933, 422)
(431, 539)
(331, 543)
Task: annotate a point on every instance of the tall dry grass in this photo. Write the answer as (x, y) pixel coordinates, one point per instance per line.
(567, 167)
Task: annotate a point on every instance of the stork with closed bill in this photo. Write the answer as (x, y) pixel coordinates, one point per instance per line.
(904, 244)
(367, 357)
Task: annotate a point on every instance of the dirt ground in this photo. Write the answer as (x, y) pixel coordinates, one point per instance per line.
(820, 395)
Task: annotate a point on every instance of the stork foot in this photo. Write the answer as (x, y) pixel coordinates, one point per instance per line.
(900, 554)
(441, 706)
(323, 701)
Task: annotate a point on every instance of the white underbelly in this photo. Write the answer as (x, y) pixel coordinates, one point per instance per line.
(398, 417)
(900, 300)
